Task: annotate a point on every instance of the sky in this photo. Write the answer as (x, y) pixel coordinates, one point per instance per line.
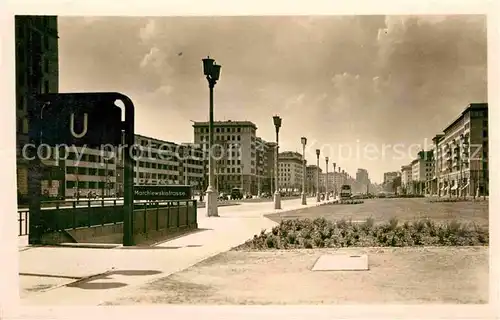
(368, 91)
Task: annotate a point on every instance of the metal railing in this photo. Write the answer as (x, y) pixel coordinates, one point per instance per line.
(72, 214)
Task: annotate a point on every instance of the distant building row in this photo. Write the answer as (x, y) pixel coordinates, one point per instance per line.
(457, 164)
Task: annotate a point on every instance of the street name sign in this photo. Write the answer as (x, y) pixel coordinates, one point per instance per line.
(171, 192)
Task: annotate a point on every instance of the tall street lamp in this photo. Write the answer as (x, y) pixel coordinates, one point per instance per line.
(241, 177)
(212, 73)
(277, 195)
(304, 142)
(341, 178)
(334, 181)
(318, 199)
(326, 184)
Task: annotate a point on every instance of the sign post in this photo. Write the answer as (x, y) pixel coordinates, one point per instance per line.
(86, 120)
(158, 193)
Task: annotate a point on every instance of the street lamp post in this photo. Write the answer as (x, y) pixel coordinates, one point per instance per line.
(304, 142)
(277, 195)
(334, 181)
(212, 73)
(341, 178)
(241, 177)
(326, 184)
(318, 199)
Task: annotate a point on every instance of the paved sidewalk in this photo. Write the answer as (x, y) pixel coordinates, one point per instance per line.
(128, 268)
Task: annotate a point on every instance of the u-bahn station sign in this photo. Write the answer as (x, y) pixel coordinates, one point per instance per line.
(158, 193)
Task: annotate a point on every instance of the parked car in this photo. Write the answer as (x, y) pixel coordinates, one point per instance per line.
(223, 196)
(265, 195)
(236, 194)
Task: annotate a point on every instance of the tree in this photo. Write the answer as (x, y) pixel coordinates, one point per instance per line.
(396, 182)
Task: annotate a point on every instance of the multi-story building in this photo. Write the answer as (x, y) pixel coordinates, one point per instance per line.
(265, 165)
(37, 72)
(290, 171)
(407, 179)
(164, 162)
(421, 171)
(156, 162)
(462, 154)
(437, 166)
(312, 172)
(90, 171)
(338, 181)
(322, 181)
(362, 181)
(235, 153)
(389, 176)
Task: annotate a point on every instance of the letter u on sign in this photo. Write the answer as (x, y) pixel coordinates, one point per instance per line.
(72, 126)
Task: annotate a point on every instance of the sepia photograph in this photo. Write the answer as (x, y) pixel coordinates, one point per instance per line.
(252, 160)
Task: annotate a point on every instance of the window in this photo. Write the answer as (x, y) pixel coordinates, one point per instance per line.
(19, 125)
(25, 125)
(20, 103)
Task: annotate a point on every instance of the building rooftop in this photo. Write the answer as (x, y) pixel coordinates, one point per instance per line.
(154, 139)
(470, 107)
(228, 123)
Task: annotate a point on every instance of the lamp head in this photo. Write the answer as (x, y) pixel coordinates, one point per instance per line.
(303, 140)
(215, 72)
(207, 66)
(326, 159)
(277, 121)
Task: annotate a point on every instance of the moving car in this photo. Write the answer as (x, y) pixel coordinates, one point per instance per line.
(345, 192)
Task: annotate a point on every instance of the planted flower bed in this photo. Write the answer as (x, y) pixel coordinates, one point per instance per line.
(322, 233)
(454, 200)
(341, 202)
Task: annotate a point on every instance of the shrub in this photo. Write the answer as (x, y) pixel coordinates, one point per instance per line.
(291, 237)
(393, 224)
(321, 233)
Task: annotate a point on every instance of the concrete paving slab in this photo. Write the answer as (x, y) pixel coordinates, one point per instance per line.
(341, 262)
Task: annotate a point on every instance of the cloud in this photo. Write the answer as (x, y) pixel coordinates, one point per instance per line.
(148, 31)
(154, 58)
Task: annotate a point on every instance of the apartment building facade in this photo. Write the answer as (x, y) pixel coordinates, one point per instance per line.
(331, 181)
(407, 179)
(290, 171)
(235, 152)
(362, 183)
(461, 166)
(312, 172)
(265, 165)
(37, 72)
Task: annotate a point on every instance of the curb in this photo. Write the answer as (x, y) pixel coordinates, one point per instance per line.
(89, 245)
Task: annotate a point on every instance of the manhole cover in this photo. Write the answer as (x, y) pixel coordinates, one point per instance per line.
(341, 262)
